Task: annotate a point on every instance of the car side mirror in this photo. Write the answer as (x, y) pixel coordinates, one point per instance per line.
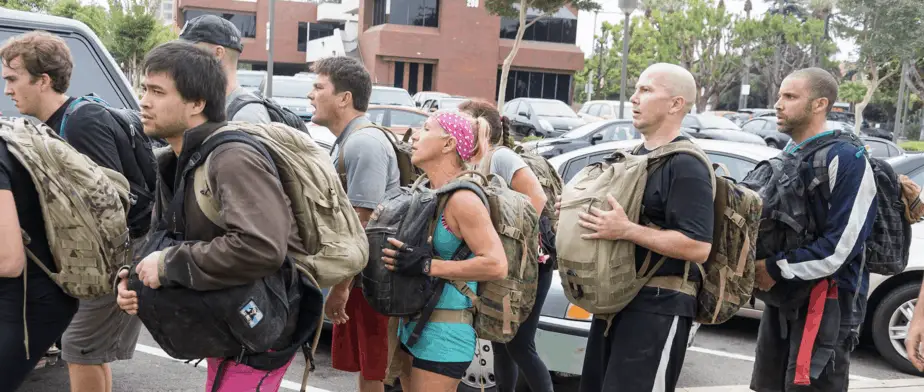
(432, 110)
(596, 138)
(523, 114)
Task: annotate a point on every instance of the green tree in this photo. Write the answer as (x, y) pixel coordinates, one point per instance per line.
(25, 5)
(94, 16)
(135, 30)
(851, 92)
(518, 9)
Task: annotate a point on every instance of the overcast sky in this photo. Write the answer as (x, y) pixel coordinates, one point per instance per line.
(611, 13)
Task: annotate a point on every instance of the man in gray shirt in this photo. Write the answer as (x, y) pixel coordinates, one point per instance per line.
(340, 98)
(222, 38)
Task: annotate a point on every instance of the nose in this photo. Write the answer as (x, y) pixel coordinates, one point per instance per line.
(7, 89)
(634, 98)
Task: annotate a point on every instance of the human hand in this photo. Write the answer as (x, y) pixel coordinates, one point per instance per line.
(127, 299)
(761, 277)
(607, 225)
(148, 270)
(407, 260)
(335, 305)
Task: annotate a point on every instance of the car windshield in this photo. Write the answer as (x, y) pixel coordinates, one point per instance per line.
(249, 80)
(581, 131)
(292, 88)
(716, 122)
(390, 97)
(552, 109)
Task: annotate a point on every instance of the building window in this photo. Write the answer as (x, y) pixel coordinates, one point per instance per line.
(246, 23)
(312, 31)
(406, 12)
(418, 75)
(525, 84)
(560, 28)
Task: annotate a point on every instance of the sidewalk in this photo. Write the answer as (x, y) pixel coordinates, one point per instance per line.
(904, 385)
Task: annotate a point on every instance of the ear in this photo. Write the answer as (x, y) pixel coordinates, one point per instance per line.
(677, 105)
(220, 51)
(197, 107)
(45, 82)
(450, 145)
(346, 99)
(820, 104)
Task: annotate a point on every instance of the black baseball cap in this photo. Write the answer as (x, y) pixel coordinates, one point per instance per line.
(214, 30)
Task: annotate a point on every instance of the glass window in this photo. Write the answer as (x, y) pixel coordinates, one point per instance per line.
(403, 118)
(379, 12)
(573, 168)
(302, 36)
(415, 12)
(606, 110)
(569, 31)
(291, 87)
(399, 74)
(541, 30)
(510, 109)
(555, 26)
(560, 29)
(535, 84)
(246, 23)
(428, 77)
(563, 88)
(737, 166)
(522, 84)
(548, 85)
(893, 151)
(377, 116)
(412, 78)
(753, 126)
(94, 78)
(716, 122)
(594, 109)
(509, 28)
(878, 149)
(553, 109)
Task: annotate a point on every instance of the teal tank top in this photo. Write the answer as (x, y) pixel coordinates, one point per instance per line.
(444, 342)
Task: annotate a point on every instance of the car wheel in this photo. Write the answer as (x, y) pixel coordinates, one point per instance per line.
(890, 326)
(481, 371)
(774, 144)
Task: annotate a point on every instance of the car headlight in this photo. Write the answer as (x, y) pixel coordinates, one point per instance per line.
(547, 126)
(575, 312)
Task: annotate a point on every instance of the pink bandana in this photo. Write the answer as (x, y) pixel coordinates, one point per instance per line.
(461, 129)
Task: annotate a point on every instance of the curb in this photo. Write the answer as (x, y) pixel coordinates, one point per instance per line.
(903, 385)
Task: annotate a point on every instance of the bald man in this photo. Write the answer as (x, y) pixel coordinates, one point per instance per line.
(644, 348)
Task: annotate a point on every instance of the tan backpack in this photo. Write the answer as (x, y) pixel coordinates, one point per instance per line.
(500, 306)
(408, 173)
(329, 228)
(84, 207)
(600, 275)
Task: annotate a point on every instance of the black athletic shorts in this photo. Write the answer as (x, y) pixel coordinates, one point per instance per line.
(448, 369)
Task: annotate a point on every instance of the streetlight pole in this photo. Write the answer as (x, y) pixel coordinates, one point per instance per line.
(269, 48)
(627, 6)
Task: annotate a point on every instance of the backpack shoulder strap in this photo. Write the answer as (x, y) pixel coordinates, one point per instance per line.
(341, 164)
(205, 198)
(657, 157)
(239, 102)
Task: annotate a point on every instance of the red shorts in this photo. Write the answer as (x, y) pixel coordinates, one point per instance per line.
(361, 345)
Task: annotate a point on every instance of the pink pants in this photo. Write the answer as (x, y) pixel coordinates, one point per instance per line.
(243, 378)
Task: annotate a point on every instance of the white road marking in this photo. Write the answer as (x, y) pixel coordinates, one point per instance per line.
(751, 359)
(161, 353)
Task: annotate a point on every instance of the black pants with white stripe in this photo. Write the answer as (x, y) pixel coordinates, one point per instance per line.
(643, 352)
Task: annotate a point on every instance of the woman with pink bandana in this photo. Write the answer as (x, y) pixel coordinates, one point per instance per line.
(444, 351)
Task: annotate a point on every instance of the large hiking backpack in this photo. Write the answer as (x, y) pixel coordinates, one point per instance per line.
(329, 228)
(886, 250)
(549, 179)
(600, 275)
(142, 195)
(407, 171)
(277, 113)
(83, 206)
(502, 305)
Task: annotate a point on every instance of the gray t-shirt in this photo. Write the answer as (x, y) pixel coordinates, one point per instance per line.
(505, 163)
(371, 164)
(254, 113)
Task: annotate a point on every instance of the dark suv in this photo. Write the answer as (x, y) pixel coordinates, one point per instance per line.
(97, 70)
(541, 117)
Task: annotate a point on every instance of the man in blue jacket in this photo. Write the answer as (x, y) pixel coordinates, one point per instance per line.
(808, 346)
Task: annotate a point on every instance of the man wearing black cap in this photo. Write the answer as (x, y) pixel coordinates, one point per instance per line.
(221, 37)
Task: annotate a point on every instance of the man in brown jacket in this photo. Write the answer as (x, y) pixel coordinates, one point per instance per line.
(184, 103)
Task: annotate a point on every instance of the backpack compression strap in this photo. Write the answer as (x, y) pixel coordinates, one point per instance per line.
(240, 102)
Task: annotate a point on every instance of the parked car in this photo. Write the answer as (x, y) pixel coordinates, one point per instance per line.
(442, 103)
(383, 95)
(98, 71)
(423, 96)
(251, 80)
(399, 119)
(583, 136)
(292, 92)
(707, 126)
(604, 110)
(541, 117)
(766, 127)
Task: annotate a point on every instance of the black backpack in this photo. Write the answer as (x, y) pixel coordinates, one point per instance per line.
(276, 112)
(409, 214)
(788, 224)
(142, 195)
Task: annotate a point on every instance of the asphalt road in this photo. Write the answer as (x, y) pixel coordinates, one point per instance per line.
(720, 356)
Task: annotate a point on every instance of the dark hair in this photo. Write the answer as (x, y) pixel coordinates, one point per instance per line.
(347, 74)
(500, 126)
(196, 72)
(821, 84)
(41, 53)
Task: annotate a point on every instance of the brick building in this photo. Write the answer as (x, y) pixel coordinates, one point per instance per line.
(451, 46)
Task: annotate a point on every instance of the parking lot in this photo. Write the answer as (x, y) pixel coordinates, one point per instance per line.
(720, 356)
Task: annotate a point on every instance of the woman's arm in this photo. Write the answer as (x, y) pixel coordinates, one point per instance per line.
(526, 182)
(468, 217)
(12, 254)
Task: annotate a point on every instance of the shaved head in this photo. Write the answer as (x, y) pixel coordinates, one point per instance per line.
(676, 80)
